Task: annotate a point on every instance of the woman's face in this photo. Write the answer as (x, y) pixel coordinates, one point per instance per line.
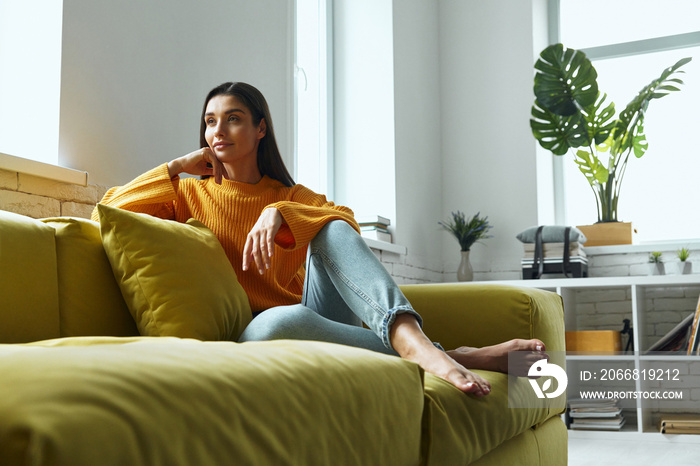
(230, 131)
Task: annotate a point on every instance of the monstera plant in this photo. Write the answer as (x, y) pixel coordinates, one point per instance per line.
(570, 114)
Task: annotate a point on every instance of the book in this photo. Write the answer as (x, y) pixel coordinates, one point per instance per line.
(378, 235)
(676, 339)
(615, 423)
(554, 260)
(373, 220)
(582, 413)
(601, 403)
(554, 250)
(599, 414)
(680, 424)
(373, 228)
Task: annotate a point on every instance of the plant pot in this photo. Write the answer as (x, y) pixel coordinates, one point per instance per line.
(685, 268)
(464, 271)
(607, 234)
(657, 268)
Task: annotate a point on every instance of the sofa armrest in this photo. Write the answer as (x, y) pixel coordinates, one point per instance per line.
(467, 314)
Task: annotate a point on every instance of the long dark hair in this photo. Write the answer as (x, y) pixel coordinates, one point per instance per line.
(270, 161)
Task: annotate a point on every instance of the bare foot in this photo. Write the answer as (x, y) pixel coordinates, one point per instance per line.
(495, 358)
(438, 363)
(411, 343)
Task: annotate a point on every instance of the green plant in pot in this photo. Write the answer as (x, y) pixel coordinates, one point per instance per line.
(684, 266)
(570, 114)
(656, 263)
(467, 232)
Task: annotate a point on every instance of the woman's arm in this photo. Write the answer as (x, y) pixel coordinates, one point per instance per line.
(291, 224)
(155, 191)
(152, 193)
(306, 212)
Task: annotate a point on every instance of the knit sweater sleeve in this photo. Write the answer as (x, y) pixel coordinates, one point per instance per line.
(305, 213)
(152, 193)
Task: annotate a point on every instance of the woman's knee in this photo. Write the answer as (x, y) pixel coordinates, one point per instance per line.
(337, 231)
(279, 323)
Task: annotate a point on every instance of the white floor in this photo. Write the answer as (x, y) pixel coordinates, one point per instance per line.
(638, 452)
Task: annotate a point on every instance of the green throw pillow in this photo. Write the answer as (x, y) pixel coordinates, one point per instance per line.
(175, 277)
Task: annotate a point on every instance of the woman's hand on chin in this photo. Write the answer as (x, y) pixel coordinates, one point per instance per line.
(260, 243)
(201, 162)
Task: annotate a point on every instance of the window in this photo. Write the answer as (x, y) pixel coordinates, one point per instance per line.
(313, 96)
(30, 78)
(634, 40)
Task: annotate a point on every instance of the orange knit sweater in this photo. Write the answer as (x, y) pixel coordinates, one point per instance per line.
(230, 210)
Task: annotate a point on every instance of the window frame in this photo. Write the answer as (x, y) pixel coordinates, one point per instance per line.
(324, 182)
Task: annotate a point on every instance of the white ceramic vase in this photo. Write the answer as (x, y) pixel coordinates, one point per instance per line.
(465, 272)
(685, 268)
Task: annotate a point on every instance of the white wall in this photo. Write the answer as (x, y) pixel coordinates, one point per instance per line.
(460, 75)
(417, 127)
(434, 119)
(135, 74)
(487, 53)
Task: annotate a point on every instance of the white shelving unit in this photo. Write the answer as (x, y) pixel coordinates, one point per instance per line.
(639, 419)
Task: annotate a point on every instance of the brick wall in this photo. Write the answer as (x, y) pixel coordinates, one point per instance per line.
(636, 263)
(40, 198)
(405, 270)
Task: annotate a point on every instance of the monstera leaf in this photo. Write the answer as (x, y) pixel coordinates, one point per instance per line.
(598, 121)
(629, 131)
(591, 167)
(566, 80)
(558, 133)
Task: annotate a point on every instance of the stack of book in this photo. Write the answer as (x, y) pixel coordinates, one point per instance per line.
(680, 424)
(603, 414)
(553, 260)
(375, 227)
(554, 252)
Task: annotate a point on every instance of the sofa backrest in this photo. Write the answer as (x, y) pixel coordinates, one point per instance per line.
(28, 280)
(56, 281)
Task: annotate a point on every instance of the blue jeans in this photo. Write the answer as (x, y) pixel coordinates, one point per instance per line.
(345, 285)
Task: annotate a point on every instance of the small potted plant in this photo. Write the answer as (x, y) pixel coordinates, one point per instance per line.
(467, 232)
(656, 264)
(684, 266)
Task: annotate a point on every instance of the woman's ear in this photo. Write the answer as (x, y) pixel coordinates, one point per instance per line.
(262, 128)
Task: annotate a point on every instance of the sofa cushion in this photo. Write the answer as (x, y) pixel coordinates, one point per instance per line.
(28, 282)
(175, 277)
(89, 299)
(460, 428)
(475, 314)
(544, 445)
(185, 402)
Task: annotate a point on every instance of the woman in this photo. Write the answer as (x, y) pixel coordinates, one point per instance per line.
(299, 258)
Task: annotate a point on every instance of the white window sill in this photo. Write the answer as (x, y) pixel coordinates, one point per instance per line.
(384, 246)
(43, 170)
(661, 246)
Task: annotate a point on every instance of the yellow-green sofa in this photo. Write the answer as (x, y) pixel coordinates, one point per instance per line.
(80, 386)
